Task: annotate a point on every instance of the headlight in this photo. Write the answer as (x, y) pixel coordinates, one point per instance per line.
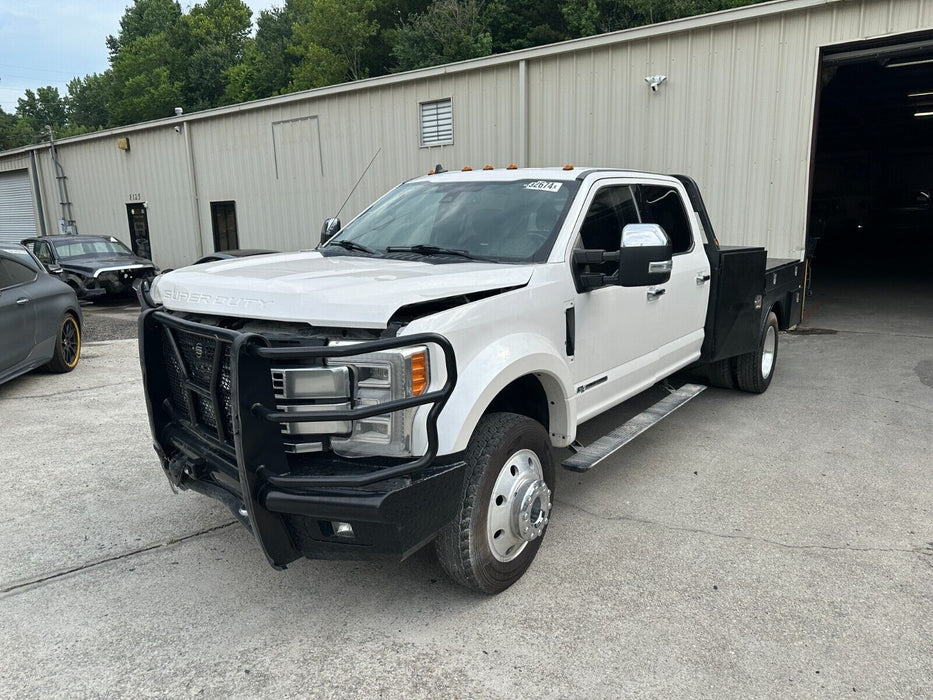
(378, 378)
(357, 381)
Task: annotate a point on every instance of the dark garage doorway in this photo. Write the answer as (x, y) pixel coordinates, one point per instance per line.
(870, 222)
(873, 158)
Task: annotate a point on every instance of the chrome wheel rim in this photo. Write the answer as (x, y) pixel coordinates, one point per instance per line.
(71, 342)
(519, 507)
(768, 350)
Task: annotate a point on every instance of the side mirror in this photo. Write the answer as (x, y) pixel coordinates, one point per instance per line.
(645, 257)
(330, 229)
(54, 269)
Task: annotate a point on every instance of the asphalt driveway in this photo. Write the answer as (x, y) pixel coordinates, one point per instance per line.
(749, 546)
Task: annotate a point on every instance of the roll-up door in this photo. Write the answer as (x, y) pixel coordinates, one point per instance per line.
(17, 220)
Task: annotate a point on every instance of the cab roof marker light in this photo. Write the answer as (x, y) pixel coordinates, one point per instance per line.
(568, 167)
(512, 166)
(488, 167)
(466, 169)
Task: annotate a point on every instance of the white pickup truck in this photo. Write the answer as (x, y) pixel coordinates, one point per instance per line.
(405, 382)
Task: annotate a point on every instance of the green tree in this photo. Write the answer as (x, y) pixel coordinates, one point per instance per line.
(87, 100)
(449, 30)
(44, 107)
(144, 86)
(267, 64)
(212, 37)
(330, 42)
(142, 19)
(519, 24)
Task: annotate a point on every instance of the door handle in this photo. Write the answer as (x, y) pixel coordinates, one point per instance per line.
(702, 278)
(655, 294)
(22, 301)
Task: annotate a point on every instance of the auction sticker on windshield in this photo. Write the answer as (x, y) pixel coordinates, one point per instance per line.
(543, 185)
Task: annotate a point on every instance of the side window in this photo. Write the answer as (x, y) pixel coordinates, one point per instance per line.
(4, 277)
(611, 209)
(44, 252)
(16, 273)
(662, 205)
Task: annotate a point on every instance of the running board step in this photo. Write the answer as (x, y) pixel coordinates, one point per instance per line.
(593, 454)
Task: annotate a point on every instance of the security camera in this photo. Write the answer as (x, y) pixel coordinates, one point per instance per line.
(177, 129)
(654, 81)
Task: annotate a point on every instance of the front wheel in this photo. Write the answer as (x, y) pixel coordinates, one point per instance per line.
(753, 371)
(67, 346)
(506, 504)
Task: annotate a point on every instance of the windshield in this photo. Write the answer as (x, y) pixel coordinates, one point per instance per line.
(512, 221)
(97, 246)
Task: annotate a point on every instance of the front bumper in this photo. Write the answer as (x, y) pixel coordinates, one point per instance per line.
(217, 432)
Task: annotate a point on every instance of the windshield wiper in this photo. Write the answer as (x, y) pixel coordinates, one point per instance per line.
(353, 245)
(422, 249)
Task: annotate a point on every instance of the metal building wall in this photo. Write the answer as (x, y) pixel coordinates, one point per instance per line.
(736, 112)
(102, 179)
(290, 166)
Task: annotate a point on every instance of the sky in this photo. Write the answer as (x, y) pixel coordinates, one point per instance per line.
(49, 42)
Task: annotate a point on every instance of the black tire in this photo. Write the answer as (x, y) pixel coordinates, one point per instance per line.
(67, 346)
(721, 374)
(754, 370)
(465, 547)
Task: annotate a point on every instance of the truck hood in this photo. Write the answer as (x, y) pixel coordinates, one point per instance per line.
(337, 291)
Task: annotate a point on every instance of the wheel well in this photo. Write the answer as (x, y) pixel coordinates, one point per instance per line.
(524, 396)
(76, 317)
(779, 312)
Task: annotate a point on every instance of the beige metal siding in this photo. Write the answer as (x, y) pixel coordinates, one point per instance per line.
(736, 112)
(102, 180)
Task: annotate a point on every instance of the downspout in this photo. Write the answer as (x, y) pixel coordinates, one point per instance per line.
(68, 222)
(40, 207)
(523, 114)
(193, 187)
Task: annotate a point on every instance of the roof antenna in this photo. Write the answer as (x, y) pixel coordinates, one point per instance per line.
(362, 175)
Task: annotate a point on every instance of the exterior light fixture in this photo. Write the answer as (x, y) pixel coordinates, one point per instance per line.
(655, 81)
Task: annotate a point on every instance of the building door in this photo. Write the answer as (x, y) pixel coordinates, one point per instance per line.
(223, 220)
(139, 230)
(16, 214)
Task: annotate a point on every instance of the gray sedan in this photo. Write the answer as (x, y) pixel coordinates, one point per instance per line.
(40, 319)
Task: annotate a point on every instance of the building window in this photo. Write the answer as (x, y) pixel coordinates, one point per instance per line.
(437, 125)
(223, 220)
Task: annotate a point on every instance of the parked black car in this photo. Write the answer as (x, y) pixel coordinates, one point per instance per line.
(40, 318)
(92, 265)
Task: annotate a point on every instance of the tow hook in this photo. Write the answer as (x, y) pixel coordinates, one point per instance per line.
(181, 468)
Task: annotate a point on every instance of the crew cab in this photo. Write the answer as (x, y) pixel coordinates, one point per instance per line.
(405, 382)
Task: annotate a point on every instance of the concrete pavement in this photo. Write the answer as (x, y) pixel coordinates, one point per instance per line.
(749, 546)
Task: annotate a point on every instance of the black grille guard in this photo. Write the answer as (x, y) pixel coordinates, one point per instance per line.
(256, 426)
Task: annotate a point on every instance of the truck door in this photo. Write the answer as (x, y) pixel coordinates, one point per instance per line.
(680, 313)
(614, 355)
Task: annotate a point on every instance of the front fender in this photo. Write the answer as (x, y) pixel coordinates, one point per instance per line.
(494, 368)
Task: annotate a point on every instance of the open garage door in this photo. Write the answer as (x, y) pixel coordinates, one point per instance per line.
(17, 220)
(871, 215)
(873, 161)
